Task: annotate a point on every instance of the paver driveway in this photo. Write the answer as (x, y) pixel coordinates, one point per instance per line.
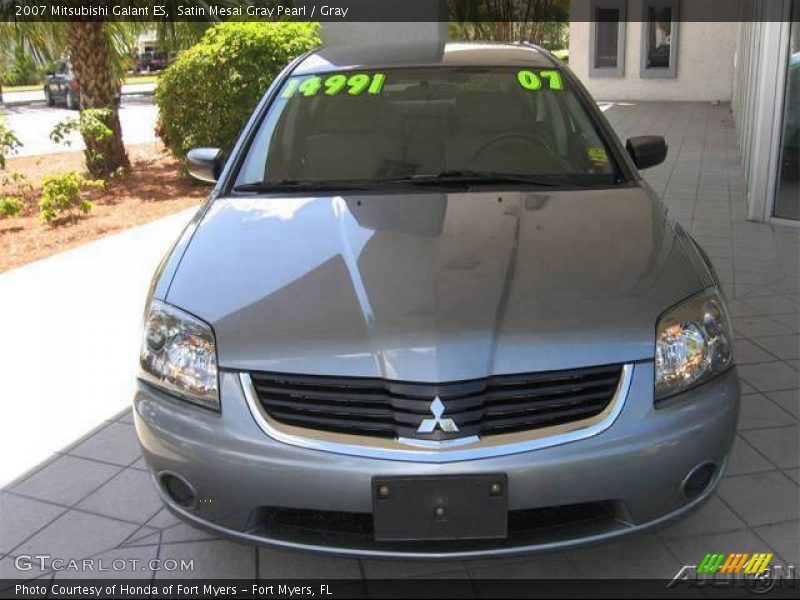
(95, 499)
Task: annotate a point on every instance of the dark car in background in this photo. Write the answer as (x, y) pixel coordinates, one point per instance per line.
(150, 61)
(62, 87)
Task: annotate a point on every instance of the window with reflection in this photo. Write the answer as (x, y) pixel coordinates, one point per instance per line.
(659, 38)
(607, 38)
(605, 52)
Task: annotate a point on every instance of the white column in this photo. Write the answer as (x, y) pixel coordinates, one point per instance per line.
(766, 99)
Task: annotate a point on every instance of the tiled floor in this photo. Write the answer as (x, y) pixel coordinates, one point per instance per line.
(95, 499)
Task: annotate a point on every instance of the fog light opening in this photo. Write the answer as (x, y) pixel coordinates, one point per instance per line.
(179, 490)
(698, 480)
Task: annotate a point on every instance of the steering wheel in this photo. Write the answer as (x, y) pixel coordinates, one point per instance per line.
(505, 137)
(539, 143)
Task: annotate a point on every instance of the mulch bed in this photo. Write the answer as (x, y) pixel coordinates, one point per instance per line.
(153, 188)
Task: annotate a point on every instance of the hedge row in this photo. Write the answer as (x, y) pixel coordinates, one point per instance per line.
(206, 96)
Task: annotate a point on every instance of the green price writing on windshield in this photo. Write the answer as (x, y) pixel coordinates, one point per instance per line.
(332, 85)
(531, 81)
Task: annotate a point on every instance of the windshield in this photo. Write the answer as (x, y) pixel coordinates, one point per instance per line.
(441, 123)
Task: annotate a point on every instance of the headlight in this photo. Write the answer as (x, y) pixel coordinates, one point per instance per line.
(693, 343)
(179, 354)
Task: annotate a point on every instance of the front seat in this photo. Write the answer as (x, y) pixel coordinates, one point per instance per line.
(352, 140)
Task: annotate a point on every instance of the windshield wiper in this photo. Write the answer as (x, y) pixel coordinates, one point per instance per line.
(292, 185)
(468, 176)
(449, 177)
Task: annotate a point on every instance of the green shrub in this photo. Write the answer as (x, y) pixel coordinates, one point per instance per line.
(16, 193)
(62, 197)
(91, 124)
(10, 206)
(207, 94)
(8, 144)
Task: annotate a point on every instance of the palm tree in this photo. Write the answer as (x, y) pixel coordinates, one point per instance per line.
(98, 51)
(91, 52)
(40, 43)
(505, 20)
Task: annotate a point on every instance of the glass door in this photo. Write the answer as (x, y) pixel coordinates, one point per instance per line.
(787, 199)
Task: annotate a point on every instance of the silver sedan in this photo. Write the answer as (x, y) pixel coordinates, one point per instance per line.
(431, 309)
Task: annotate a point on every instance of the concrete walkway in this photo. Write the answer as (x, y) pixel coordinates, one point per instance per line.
(74, 317)
(74, 320)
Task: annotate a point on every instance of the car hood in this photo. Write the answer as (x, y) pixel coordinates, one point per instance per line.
(435, 287)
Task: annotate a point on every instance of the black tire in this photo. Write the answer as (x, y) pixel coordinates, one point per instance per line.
(48, 97)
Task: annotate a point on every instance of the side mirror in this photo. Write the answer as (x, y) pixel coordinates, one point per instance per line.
(647, 150)
(204, 164)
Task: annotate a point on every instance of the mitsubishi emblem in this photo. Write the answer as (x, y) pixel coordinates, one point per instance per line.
(437, 410)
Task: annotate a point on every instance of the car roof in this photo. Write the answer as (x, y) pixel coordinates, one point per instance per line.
(407, 54)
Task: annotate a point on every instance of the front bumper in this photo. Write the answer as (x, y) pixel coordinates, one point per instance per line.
(635, 468)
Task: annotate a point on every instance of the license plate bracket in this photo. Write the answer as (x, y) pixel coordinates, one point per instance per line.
(450, 507)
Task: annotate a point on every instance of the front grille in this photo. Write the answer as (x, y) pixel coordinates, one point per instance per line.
(478, 407)
(355, 530)
(360, 524)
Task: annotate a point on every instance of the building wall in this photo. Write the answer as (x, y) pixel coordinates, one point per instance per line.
(705, 57)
